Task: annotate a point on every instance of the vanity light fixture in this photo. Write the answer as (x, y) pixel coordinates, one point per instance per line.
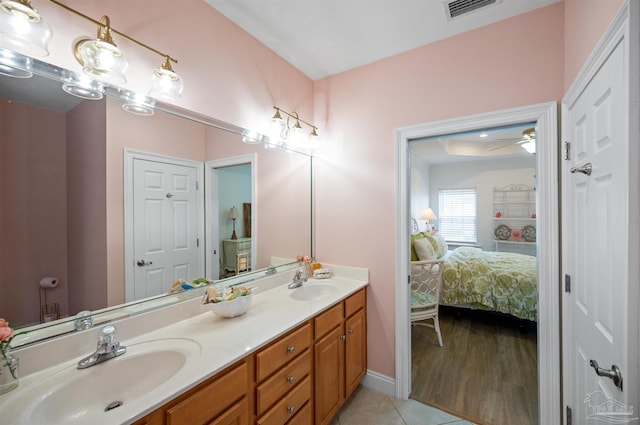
(23, 29)
(288, 133)
(165, 83)
(100, 57)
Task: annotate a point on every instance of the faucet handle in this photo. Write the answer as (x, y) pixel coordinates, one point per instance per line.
(105, 337)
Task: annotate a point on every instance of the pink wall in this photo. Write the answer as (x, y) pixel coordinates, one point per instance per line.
(33, 218)
(585, 21)
(86, 202)
(515, 62)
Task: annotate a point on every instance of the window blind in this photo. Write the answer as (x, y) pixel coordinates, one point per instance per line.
(457, 210)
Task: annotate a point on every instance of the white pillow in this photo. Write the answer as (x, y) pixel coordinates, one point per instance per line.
(424, 249)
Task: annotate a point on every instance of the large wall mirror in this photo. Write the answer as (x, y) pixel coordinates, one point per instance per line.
(70, 191)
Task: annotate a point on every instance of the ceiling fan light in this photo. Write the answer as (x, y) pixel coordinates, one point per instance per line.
(23, 29)
(529, 146)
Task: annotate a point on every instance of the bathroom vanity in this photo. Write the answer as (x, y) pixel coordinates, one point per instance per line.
(294, 358)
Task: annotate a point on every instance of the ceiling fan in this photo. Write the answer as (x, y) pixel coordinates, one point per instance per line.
(527, 141)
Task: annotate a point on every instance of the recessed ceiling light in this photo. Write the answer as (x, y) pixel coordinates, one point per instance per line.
(484, 135)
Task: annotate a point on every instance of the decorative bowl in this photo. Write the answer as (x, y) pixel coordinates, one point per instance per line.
(233, 308)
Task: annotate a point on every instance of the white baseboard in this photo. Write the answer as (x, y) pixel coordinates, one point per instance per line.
(380, 383)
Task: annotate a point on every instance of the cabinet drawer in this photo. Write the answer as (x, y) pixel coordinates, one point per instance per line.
(355, 303)
(303, 417)
(328, 320)
(288, 406)
(283, 381)
(280, 352)
(209, 402)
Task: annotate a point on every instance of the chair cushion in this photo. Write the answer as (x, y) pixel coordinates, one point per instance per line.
(420, 298)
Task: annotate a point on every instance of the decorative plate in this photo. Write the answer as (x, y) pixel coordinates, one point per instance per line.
(529, 233)
(503, 232)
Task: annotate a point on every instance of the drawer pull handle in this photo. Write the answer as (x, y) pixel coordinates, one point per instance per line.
(291, 379)
(343, 337)
(291, 410)
(350, 331)
(291, 349)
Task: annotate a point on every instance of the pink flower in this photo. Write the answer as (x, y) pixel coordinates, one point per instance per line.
(299, 258)
(5, 333)
(3, 323)
(306, 259)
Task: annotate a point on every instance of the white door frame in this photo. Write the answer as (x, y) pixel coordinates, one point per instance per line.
(545, 115)
(212, 239)
(129, 261)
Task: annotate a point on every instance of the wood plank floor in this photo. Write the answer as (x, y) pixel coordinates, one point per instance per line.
(486, 372)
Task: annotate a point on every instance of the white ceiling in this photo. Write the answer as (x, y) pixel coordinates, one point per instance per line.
(486, 144)
(326, 37)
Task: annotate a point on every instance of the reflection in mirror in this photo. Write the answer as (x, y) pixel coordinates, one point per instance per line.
(67, 197)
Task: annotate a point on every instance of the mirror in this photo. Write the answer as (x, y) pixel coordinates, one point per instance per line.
(62, 181)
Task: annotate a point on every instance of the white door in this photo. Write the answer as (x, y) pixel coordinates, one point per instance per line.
(165, 226)
(596, 313)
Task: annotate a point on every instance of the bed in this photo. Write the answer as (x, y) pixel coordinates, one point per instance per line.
(496, 281)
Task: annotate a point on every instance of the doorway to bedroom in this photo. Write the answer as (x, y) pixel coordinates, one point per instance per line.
(544, 116)
(472, 202)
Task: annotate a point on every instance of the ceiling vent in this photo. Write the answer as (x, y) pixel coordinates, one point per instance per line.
(458, 8)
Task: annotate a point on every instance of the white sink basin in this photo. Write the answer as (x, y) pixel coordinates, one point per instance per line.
(313, 291)
(74, 396)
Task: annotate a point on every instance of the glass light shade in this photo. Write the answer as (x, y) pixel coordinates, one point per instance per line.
(83, 87)
(166, 85)
(102, 61)
(138, 104)
(251, 137)
(23, 29)
(14, 65)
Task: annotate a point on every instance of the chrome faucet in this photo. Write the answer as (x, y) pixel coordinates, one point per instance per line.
(298, 279)
(107, 348)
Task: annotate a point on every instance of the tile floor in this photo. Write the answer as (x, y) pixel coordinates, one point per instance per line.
(369, 407)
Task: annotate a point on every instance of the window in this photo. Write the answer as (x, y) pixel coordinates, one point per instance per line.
(457, 210)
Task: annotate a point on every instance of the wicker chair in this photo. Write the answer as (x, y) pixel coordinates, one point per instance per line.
(425, 282)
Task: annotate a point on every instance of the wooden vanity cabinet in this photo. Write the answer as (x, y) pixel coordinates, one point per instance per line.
(303, 377)
(340, 354)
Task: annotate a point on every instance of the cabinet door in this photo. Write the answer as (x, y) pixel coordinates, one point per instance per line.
(238, 414)
(355, 351)
(329, 375)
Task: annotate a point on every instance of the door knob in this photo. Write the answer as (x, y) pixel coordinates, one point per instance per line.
(614, 373)
(584, 169)
(144, 263)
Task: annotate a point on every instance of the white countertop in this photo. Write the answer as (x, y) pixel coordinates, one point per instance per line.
(222, 342)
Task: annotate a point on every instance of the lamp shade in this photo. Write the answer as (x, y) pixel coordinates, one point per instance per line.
(23, 29)
(233, 213)
(427, 214)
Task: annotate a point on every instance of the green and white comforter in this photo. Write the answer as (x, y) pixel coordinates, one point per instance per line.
(497, 281)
